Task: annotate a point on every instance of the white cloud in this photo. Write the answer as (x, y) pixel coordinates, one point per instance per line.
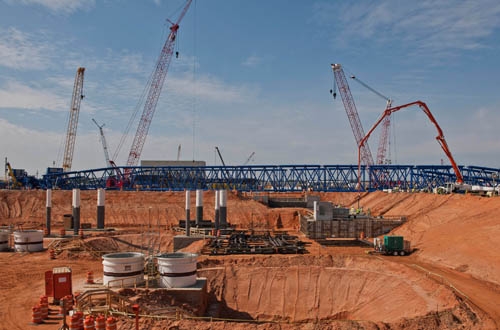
(21, 50)
(209, 88)
(252, 61)
(58, 6)
(427, 25)
(17, 95)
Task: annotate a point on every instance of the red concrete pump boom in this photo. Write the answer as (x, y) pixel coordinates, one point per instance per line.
(439, 137)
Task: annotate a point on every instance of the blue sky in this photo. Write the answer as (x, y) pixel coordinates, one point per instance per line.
(252, 76)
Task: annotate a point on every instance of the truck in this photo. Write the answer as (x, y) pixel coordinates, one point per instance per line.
(392, 245)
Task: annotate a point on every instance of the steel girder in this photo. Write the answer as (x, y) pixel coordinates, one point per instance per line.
(279, 178)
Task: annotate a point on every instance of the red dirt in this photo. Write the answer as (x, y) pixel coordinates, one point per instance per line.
(331, 288)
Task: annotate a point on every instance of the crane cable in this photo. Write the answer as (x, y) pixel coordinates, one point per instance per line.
(195, 94)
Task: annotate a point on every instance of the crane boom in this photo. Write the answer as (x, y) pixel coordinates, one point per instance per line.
(157, 80)
(352, 112)
(383, 142)
(439, 137)
(220, 156)
(249, 158)
(74, 110)
(103, 141)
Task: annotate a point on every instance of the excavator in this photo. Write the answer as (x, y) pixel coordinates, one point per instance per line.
(15, 183)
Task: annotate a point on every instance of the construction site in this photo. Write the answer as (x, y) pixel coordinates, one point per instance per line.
(172, 244)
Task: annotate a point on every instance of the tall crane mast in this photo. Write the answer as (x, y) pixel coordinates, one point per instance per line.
(352, 112)
(154, 90)
(74, 111)
(103, 141)
(383, 142)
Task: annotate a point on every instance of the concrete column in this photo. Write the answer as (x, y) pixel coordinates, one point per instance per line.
(48, 208)
(188, 213)
(315, 205)
(199, 206)
(223, 208)
(217, 214)
(76, 211)
(101, 196)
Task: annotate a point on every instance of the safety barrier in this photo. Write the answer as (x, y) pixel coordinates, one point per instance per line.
(90, 278)
(89, 323)
(36, 315)
(111, 323)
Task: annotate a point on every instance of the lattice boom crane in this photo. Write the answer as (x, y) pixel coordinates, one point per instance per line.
(154, 91)
(73, 120)
(104, 143)
(352, 112)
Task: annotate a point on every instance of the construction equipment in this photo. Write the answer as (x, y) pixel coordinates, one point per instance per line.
(440, 138)
(15, 182)
(179, 152)
(393, 245)
(103, 141)
(154, 91)
(249, 158)
(74, 111)
(352, 112)
(220, 156)
(383, 143)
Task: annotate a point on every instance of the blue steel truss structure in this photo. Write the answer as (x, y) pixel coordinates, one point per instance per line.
(273, 178)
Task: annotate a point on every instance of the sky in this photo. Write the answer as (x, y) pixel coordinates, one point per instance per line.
(251, 77)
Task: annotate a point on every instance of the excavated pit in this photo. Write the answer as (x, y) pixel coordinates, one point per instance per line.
(310, 288)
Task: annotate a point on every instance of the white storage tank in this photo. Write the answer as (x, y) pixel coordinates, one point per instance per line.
(4, 240)
(123, 269)
(28, 240)
(177, 270)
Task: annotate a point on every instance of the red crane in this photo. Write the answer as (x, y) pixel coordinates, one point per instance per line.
(383, 142)
(439, 137)
(155, 86)
(352, 113)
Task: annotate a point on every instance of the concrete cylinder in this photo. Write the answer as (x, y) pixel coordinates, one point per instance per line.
(315, 203)
(101, 196)
(48, 205)
(199, 206)
(123, 269)
(188, 213)
(28, 240)
(76, 211)
(177, 270)
(223, 208)
(217, 210)
(4, 240)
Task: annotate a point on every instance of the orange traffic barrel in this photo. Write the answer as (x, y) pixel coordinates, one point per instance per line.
(44, 307)
(74, 322)
(62, 232)
(100, 323)
(80, 319)
(90, 278)
(88, 324)
(111, 323)
(80, 232)
(36, 315)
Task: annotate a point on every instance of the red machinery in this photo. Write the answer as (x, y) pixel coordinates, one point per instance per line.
(155, 86)
(352, 112)
(439, 137)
